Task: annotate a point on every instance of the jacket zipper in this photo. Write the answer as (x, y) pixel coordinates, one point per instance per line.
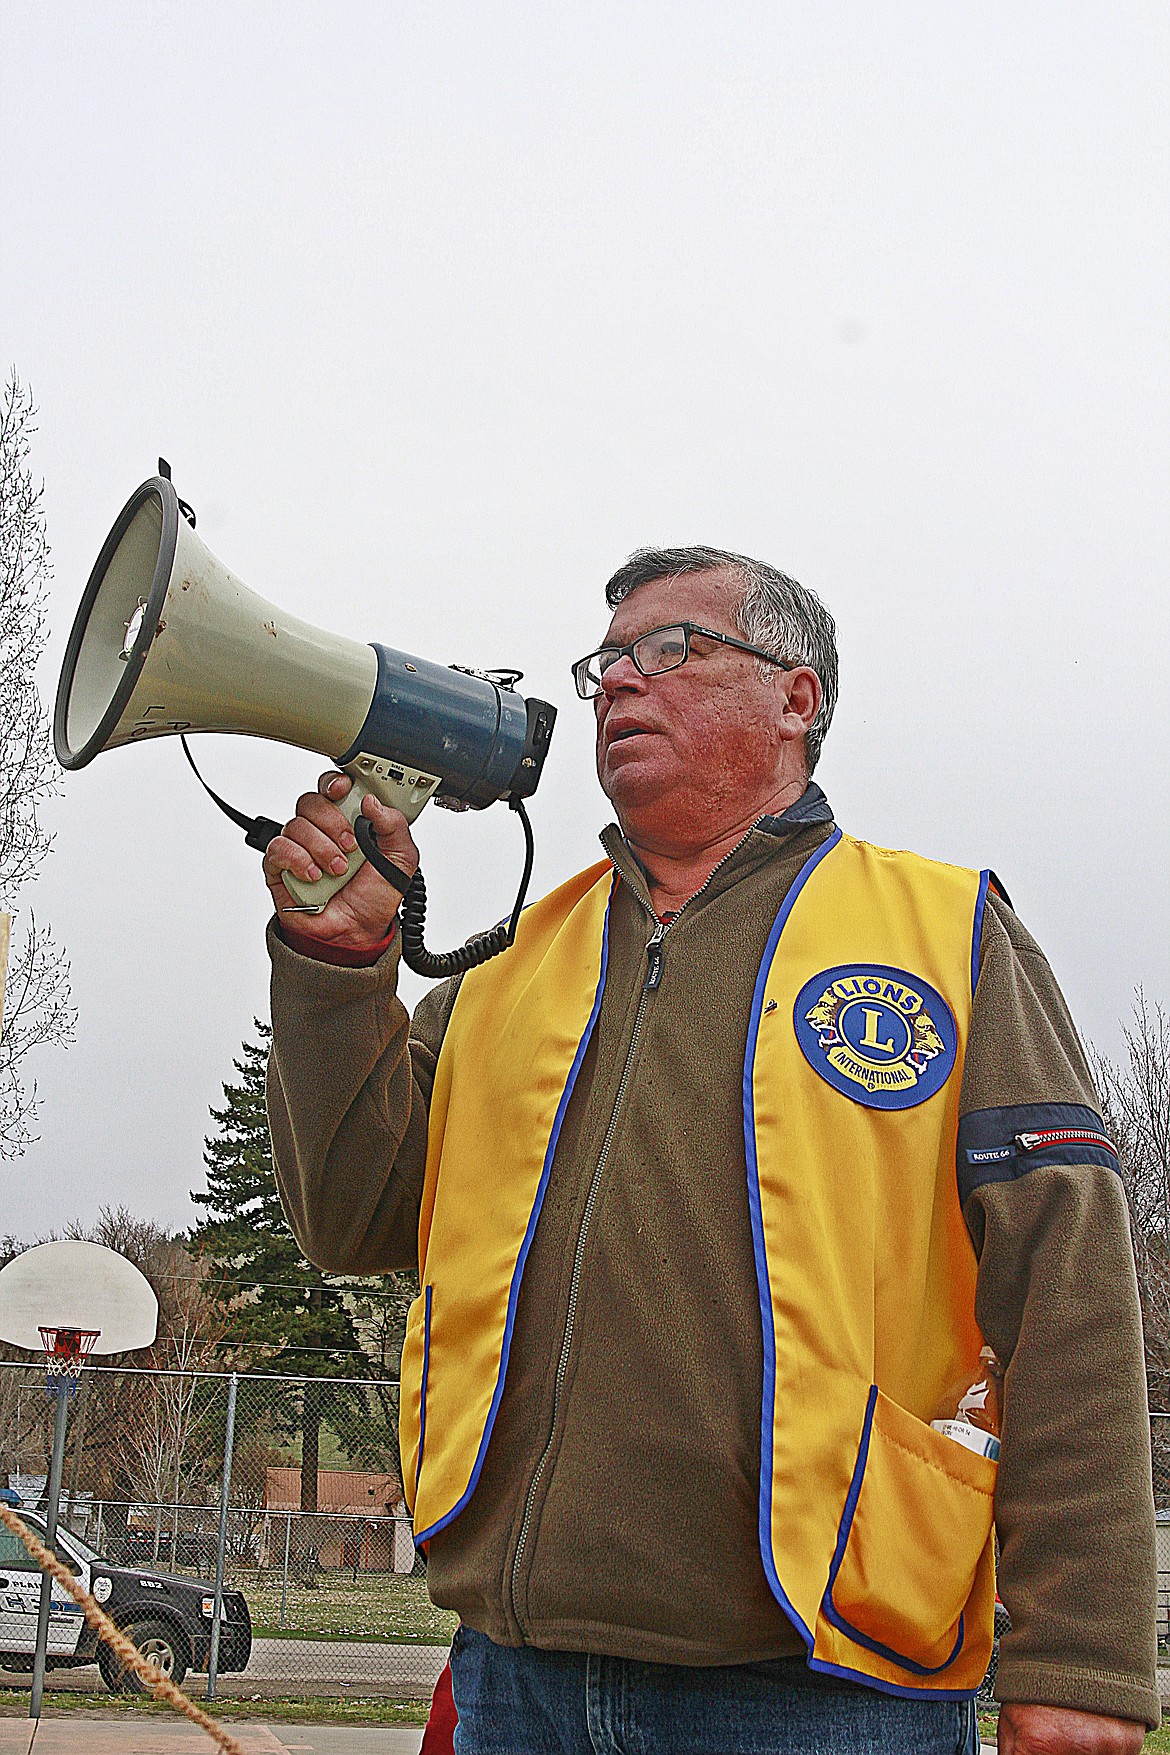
(1063, 1136)
(653, 977)
(651, 982)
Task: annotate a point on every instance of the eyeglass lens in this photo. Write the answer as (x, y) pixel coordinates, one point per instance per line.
(661, 649)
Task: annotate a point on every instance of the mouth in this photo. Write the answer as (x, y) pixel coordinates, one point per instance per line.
(619, 737)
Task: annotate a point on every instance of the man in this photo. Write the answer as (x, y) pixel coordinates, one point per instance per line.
(716, 1182)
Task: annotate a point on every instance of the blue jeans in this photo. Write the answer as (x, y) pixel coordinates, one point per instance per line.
(529, 1702)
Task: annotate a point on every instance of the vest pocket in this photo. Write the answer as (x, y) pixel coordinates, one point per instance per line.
(916, 1520)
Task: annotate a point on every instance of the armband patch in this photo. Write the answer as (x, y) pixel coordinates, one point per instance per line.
(998, 1145)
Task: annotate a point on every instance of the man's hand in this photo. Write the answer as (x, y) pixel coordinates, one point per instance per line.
(1056, 1730)
(317, 840)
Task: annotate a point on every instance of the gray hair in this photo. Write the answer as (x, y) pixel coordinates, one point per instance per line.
(774, 613)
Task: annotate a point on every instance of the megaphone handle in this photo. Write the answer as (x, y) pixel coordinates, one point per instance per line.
(404, 789)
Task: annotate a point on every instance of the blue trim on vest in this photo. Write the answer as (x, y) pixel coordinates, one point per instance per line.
(977, 930)
(829, 1609)
(854, 1492)
(824, 1668)
(757, 1215)
(522, 1258)
(987, 1148)
(426, 1364)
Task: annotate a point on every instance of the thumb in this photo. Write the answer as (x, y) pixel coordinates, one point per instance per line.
(384, 855)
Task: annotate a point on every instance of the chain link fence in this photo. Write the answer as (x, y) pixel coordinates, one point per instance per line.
(1160, 1448)
(278, 1498)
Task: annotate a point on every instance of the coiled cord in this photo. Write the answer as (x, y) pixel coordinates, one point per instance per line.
(437, 965)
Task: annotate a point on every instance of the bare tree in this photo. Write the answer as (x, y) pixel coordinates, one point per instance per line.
(37, 1004)
(150, 1437)
(167, 1421)
(1135, 1102)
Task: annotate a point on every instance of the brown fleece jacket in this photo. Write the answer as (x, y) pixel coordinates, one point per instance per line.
(620, 1514)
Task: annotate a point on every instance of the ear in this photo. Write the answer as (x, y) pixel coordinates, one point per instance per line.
(804, 701)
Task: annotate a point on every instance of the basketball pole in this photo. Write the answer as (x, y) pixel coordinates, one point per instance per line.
(229, 1445)
(65, 1297)
(56, 1469)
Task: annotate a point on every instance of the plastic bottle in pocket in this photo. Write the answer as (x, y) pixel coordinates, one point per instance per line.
(970, 1411)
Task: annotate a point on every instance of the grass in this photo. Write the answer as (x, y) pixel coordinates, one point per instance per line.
(360, 1710)
(387, 1607)
(383, 1607)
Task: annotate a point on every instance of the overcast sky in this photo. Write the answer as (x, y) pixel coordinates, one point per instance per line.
(437, 312)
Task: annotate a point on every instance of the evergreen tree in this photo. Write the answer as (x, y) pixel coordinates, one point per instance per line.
(283, 1314)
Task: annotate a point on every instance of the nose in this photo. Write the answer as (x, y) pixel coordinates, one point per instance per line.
(623, 674)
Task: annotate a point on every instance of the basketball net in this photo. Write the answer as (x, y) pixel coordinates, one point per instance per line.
(66, 1350)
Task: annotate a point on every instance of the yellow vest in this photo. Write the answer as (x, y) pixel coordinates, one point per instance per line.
(875, 1530)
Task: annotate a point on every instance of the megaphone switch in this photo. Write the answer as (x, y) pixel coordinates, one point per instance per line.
(167, 641)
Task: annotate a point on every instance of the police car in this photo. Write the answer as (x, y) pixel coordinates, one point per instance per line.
(169, 1619)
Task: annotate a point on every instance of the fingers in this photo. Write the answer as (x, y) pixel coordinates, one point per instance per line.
(316, 840)
(287, 853)
(304, 852)
(321, 828)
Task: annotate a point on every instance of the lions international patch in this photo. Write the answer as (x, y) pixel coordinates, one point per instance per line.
(883, 1037)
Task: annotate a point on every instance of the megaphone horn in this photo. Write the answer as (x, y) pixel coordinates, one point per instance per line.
(167, 641)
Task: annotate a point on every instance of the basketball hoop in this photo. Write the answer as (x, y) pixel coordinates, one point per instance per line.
(66, 1350)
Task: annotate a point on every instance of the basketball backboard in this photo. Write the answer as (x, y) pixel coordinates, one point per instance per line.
(74, 1285)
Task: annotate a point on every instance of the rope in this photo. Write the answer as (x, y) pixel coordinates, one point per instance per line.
(152, 1678)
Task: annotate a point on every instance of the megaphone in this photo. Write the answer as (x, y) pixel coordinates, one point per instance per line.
(168, 642)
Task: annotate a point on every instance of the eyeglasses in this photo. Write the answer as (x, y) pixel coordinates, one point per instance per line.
(658, 650)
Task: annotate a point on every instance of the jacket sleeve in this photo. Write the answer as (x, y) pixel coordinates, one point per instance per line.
(349, 1086)
(1057, 1299)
